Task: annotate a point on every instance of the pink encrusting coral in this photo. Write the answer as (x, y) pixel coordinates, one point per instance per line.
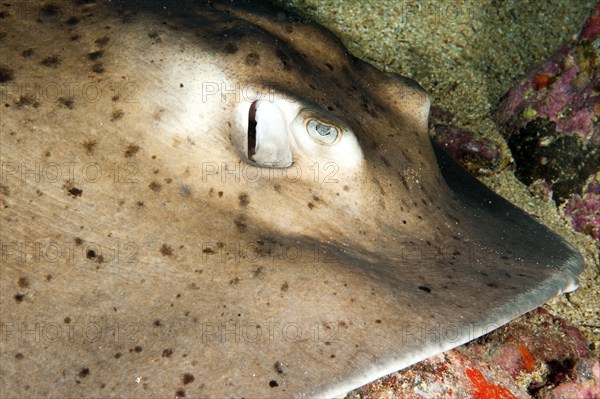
(478, 154)
(570, 98)
(584, 210)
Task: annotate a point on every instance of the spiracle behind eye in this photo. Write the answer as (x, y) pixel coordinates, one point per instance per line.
(321, 132)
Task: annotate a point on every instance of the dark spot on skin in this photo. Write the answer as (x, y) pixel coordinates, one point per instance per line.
(310, 205)
(166, 250)
(118, 355)
(234, 281)
(19, 298)
(378, 321)
(95, 55)
(98, 67)
(155, 186)
(273, 384)
(252, 59)
(423, 288)
(244, 199)
(66, 102)
(27, 53)
(3, 14)
(51, 62)
(6, 75)
(492, 285)
(167, 353)
(72, 21)
(89, 146)
(137, 349)
(48, 277)
(283, 57)
(131, 150)
(75, 37)
(231, 48)
(27, 100)
(240, 223)
(90, 254)
(258, 271)
(67, 320)
(278, 366)
(23, 282)
(220, 194)
(19, 356)
(116, 115)
(84, 372)
(180, 393)
(49, 10)
(75, 192)
(157, 323)
(187, 378)
(101, 41)
(153, 34)
(285, 286)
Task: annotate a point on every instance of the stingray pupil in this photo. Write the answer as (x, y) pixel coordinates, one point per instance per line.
(323, 130)
(252, 130)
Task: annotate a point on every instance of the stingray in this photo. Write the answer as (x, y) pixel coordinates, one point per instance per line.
(214, 199)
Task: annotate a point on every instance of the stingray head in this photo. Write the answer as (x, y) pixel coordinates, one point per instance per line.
(351, 162)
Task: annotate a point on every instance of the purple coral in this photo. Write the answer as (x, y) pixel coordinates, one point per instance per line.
(584, 210)
(477, 154)
(552, 115)
(563, 90)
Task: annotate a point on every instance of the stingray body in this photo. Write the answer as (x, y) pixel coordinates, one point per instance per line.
(216, 200)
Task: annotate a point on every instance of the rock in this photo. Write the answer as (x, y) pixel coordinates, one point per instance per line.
(584, 210)
(551, 116)
(475, 152)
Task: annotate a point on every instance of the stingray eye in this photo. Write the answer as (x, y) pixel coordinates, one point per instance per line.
(321, 132)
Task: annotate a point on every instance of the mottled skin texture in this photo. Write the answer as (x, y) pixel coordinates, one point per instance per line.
(169, 267)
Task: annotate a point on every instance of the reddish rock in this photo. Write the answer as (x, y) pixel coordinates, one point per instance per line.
(584, 210)
(535, 356)
(476, 153)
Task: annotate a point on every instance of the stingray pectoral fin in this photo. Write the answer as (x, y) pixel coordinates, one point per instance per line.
(497, 221)
(497, 263)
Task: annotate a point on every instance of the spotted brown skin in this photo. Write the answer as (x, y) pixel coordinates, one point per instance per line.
(151, 254)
